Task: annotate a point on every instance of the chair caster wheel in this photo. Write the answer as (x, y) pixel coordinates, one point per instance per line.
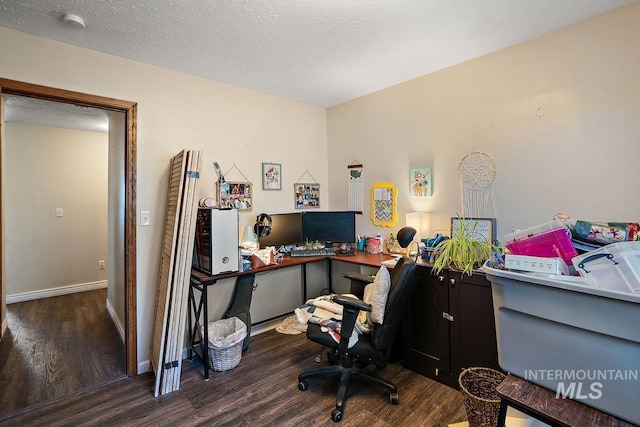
(303, 385)
(336, 415)
(394, 399)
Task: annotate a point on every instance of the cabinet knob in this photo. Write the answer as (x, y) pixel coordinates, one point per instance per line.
(452, 282)
(441, 278)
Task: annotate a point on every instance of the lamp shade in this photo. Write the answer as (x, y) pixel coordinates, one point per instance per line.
(405, 236)
(419, 221)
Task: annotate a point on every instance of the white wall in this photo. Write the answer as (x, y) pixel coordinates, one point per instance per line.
(49, 168)
(175, 112)
(560, 115)
(116, 220)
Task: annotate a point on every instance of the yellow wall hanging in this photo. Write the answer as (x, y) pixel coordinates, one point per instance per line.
(384, 201)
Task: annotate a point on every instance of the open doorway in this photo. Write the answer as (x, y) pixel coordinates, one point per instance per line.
(122, 219)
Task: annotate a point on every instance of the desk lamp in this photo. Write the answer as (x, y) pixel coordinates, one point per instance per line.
(405, 237)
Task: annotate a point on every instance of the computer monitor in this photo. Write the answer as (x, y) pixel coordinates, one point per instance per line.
(329, 226)
(286, 229)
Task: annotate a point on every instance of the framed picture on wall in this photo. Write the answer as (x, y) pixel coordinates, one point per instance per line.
(271, 176)
(479, 229)
(235, 195)
(421, 184)
(307, 195)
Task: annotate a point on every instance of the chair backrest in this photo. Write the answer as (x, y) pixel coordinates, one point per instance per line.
(383, 336)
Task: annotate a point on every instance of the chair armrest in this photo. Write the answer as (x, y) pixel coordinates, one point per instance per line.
(358, 277)
(350, 302)
(358, 282)
(351, 308)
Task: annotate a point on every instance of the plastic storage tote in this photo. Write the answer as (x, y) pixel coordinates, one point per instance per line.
(550, 240)
(578, 341)
(615, 266)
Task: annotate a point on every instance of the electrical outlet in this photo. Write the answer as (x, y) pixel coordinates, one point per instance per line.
(101, 264)
(59, 212)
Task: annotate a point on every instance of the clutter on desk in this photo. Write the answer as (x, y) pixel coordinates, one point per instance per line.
(429, 245)
(391, 245)
(374, 244)
(263, 257)
(249, 239)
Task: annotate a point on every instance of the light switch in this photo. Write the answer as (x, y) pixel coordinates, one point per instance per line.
(58, 212)
(145, 218)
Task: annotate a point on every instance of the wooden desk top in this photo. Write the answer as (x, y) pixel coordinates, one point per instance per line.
(361, 258)
(543, 404)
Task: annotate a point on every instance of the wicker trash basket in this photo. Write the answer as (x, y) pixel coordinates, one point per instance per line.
(225, 343)
(481, 400)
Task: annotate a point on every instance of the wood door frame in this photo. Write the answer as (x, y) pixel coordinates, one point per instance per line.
(30, 90)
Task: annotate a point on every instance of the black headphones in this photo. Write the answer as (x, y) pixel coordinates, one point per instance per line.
(261, 228)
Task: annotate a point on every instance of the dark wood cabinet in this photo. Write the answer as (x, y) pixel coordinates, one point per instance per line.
(449, 325)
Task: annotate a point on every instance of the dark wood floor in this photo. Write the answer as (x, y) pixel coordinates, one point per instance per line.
(55, 347)
(261, 391)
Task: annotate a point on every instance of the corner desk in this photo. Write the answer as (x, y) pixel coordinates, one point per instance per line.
(241, 300)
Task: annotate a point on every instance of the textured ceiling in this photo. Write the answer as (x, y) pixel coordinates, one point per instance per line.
(321, 52)
(19, 109)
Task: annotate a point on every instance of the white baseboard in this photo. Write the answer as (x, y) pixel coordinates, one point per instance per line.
(116, 320)
(144, 367)
(53, 292)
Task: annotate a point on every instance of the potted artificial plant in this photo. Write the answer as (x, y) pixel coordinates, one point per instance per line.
(465, 251)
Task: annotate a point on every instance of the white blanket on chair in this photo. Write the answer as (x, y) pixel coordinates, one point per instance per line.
(323, 311)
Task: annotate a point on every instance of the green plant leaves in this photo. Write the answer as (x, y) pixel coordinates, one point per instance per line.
(464, 251)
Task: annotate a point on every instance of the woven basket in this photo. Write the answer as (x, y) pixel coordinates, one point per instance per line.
(225, 358)
(481, 400)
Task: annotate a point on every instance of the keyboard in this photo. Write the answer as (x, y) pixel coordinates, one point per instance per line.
(313, 252)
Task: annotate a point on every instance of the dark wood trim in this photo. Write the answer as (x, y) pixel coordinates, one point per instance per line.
(31, 90)
(130, 236)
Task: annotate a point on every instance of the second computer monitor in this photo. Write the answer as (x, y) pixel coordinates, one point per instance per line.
(286, 230)
(329, 226)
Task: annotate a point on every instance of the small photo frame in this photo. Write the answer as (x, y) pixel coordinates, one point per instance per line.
(421, 184)
(483, 229)
(307, 195)
(235, 195)
(271, 176)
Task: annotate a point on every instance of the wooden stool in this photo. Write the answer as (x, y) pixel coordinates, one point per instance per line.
(542, 404)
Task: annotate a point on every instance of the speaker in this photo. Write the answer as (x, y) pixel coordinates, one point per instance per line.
(263, 225)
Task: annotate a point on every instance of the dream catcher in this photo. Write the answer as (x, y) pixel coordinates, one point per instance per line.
(476, 173)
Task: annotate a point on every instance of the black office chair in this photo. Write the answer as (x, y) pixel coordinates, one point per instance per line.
(374, 347)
